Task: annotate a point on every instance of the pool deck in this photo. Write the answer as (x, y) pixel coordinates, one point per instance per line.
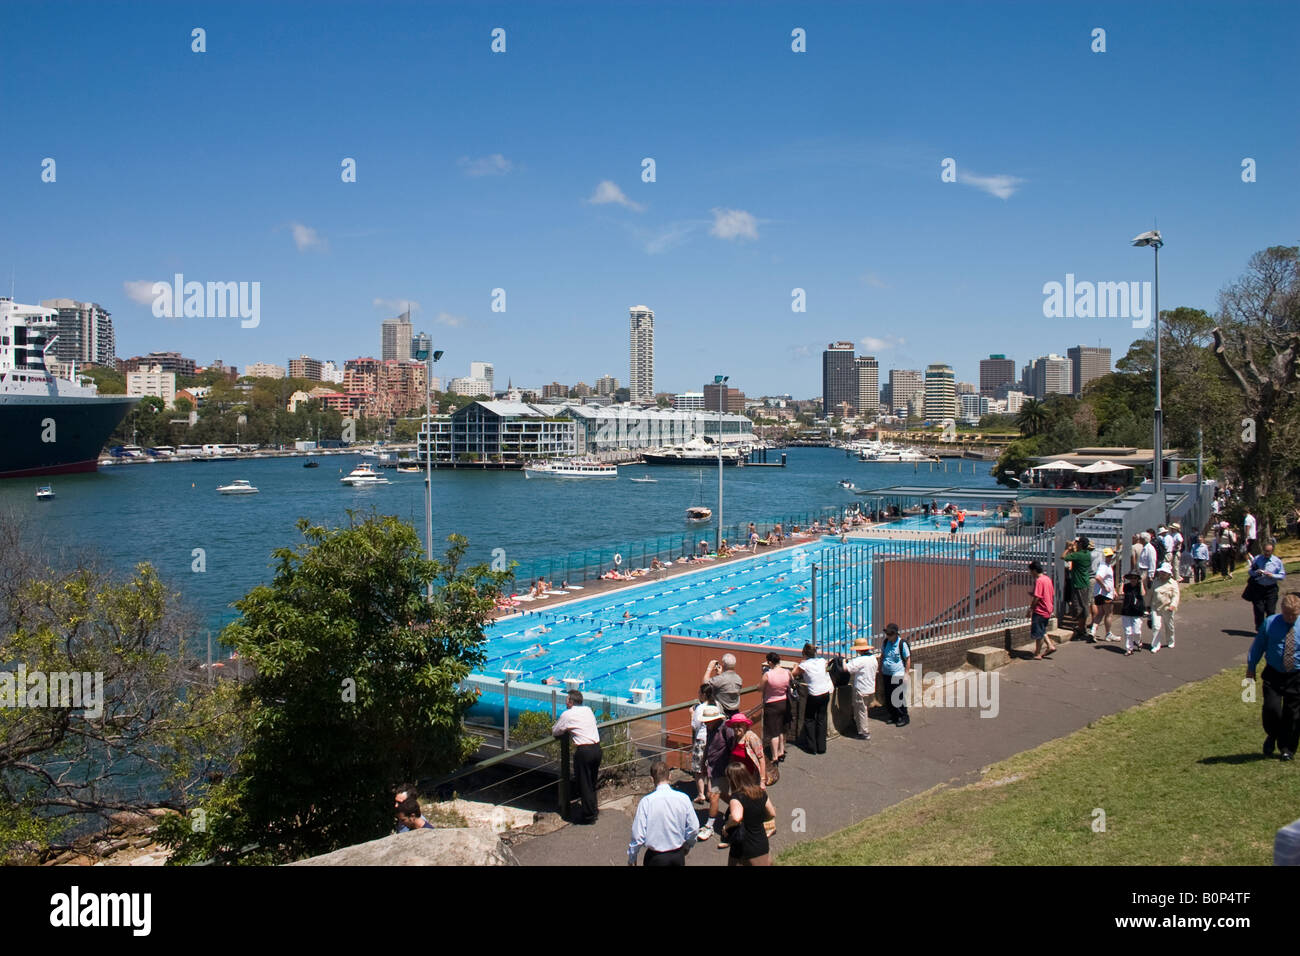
(1039, 701)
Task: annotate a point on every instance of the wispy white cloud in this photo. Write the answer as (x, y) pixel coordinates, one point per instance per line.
(673, 234)
(446, 318)
(396, 306)
(801, 351)
(305, 237)
(1001, 186)
(873, 344)
(493, 165)
(607, 191)
(733, 224)
(139, 290)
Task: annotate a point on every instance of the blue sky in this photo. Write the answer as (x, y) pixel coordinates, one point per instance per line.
(775, 170)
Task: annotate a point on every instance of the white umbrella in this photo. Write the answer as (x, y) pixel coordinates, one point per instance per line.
(1102, 467)
(1056, 466)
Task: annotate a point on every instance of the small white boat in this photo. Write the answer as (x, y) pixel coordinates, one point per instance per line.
(44, 493)
(408, 469)
(698, 514)
(237, 487)
(646, 481)
(847, 485)
(363, 475)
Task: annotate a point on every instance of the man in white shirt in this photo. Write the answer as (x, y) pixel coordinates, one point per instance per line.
(863, 671)
(579, 722)
(1147, 566)
(1250, 526)
(665, 823)
(1103, 593)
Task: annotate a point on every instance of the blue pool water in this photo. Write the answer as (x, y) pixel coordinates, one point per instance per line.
(941, 523)
(612, 642)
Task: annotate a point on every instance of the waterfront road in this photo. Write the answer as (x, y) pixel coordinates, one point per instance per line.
(1039, 701)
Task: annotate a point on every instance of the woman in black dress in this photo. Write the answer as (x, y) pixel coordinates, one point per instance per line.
(748, 814)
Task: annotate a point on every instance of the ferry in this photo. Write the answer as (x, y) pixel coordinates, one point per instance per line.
(364, 475)
(572, 469)
(237, 487)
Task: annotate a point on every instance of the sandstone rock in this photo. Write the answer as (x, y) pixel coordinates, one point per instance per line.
(452, 847)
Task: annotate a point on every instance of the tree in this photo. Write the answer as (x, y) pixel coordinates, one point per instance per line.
(133, 717)
(357, 687)
(1257, 343)
(1032, 417)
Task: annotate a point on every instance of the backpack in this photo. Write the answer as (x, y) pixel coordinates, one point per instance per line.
(1159, 543)
(839, 674)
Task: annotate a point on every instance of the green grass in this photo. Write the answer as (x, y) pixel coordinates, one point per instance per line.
(1180, 780)
(1288, 549)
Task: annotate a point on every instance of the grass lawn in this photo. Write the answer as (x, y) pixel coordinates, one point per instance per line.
(1288, 549)
(1180, 778)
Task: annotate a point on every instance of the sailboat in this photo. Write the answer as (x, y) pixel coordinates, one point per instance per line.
(698, 513)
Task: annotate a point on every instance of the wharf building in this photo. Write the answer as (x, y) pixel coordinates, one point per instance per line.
(517, 432)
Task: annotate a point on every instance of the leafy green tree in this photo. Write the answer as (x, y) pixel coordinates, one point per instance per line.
(1257, 344)
(1032, 417)
(108, 380)
(1015, 459)
(357, 686)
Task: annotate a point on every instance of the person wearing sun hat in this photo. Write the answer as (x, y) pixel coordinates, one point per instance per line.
(1132, 610)
(862, 669)
(1164, 606)
(1103, 594)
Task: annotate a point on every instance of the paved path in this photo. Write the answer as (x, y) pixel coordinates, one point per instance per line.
(1039, 701)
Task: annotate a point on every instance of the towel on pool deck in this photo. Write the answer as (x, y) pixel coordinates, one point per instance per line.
(575, 587)
(561, 593)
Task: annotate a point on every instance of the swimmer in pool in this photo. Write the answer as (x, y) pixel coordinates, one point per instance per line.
(761, 622)
(595, 637)
(627, 615)
(779, 578)
(731, 610)
(800, 587)
(537, 651)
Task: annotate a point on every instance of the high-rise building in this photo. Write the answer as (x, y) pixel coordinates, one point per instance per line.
(714, 399)
(1015, 400)
(940, 392)
(641, 381)
(167, 361)
(868, 403)
(304, 367)
(85, 332)
(905, 384)
(264, 370)
(839, 378)
(482, 371)
(1086, 364)
(420, 341)
(606, 385)
(555, 390)
(972, 407)
(1048, 375)
(996, 371)
(396, 335)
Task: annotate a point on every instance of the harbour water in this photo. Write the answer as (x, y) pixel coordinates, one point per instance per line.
(163, 512)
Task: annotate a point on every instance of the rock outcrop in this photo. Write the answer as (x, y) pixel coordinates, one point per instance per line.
(450, 847)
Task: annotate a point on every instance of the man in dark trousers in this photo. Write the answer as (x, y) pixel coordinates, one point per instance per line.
(579, 722)
(1266, 573)
(1277, 642)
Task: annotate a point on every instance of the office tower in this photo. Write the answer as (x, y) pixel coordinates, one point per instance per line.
(641, 381)
(1086, 364)
(421, 341)
(973, 407)
(868, 401)
(85, 332)
(905, 384)
(606, 385)
(1048, 375)
(940, 392)
(996, 371)
(396, 345)
(839, 378)
(483, 371)
(716, 399)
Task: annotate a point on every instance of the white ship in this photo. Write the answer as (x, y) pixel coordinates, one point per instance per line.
(237, 487)
(572, 469)
(364, 475)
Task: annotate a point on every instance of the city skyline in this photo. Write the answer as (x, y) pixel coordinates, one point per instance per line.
(741, 210)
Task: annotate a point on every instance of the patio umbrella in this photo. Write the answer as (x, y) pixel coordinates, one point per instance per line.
(1056, 466)
(1102, 467)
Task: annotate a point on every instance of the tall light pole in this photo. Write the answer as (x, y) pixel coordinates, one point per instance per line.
(721, 382)
(428, 357)
(1154, 240)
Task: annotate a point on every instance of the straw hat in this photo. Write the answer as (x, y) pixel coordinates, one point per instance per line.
(862, 644)
(710, 713)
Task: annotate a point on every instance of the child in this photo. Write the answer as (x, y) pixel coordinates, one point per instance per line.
(1133, 610)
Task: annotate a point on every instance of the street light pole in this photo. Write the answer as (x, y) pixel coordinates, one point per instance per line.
(721, 382)
(1155, 241)
(429, 357)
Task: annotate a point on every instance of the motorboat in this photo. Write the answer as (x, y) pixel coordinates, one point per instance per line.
(44, 493)
(847, 485)
(698, 514)
(646, 481)
(364, 475)
(408, 468)
(237, 487)
(311, 464)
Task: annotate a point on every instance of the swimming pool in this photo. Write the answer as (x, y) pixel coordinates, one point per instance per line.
(928, 523)
(612, 642)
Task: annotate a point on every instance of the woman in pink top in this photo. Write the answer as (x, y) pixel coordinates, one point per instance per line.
(775, 687)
